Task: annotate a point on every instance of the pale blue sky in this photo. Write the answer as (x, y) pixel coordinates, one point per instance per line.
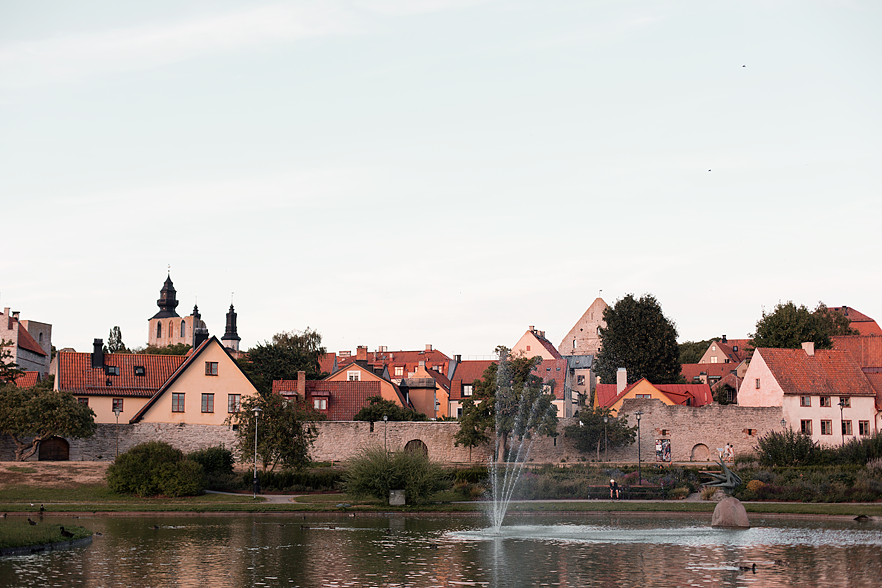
(449, 172)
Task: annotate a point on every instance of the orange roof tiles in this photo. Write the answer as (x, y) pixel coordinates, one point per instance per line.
(874, 377)
(76, 375)
(859, 321)
(26, 341)
(27, 379)
(829, 372)
(691, 371)
(345, 398)
(695, 394)
(466, 373)
(865, 349)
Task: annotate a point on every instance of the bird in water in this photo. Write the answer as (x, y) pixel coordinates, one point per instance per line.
(31, 523)
(42, 510)
(67, 534)
(748, 569)
(862, 518)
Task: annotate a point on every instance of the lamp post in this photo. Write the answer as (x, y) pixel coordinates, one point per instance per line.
(605, 439)
(116, 410)
(638, 414)
(385, 420)
(256, 485)
(783, 423)
(841, 421)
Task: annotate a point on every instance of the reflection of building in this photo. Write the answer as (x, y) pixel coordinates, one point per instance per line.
(31, 342)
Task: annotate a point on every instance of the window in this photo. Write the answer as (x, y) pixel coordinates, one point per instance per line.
(574, 343)
(846, 428)
(735, 348)
(826, 427)
(547, 369)
(159, 330)
(320, 403)
(806, 427)
(234, 401)
(140, 371)
(183, 329)
(353, 376)
(805, 400)
(714, 359)
(459, 412)
(757, 384)
(399, 370)
(580, 380)
(643, 396)
(825, 401)
(117, 405)
(864, 427)
(177, 402)
(111, 370)
(528, 347)
(467, 389)
(751, 432)
(41, 338)
(83, 401)
(210, 368)
(846, 401)
(208, 403)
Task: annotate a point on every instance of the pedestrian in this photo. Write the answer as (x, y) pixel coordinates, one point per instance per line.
(614, 490)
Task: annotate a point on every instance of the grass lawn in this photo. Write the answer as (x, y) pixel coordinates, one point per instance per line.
(17, 532)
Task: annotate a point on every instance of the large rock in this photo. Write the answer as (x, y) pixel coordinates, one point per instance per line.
(730, 513)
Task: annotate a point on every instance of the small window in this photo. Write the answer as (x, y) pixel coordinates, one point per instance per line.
(208, 403)
(399, 370)
(210, 368)
(580, 380)
(714, 359)
(177, 402)
(547, 369)
(528, 347)
(83, 401)
(459, 412)
(846, 428)
(467, 390)
(825, 401)
(111, 370)
(735, 348)
(665, 432)
(117, 405)
(183, 329)
(320, 403)
(234, 401)
(826, 427)
(805, 400)
(864, 427)
(557, 369)
(749, 432)
(353, 376)
(846, 401)
(41, 338)
(643, 396)
(806, 427)
(159, 330)
(140, 371)
(757, 384)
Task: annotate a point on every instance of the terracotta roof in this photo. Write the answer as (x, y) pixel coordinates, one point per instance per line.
(345, 399)
(553, 370)
(27, 379)
(409, 360)
(690, 371)
(466, 373)
(874, 377)
(402, 399)
(864, 324)
(549, 346)
(328, 362)
(76, 375)
(865, 349)
(698, 394)
(605, 394)
(26, 341)
(829, 372)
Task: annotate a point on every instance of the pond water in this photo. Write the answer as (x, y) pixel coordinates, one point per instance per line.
(585, 549)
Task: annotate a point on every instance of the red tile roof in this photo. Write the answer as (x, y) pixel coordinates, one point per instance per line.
(735, 350)
(605, 394)
(826, 373)
(27, 379)
(864, 324)
(466, 373)
(690, 371)
(76, 375)
(345, 398)
(696, 394)
(409, 360)
(865, 349)
(553, 370)
(327, 363)
(874, 377)
(26, 341)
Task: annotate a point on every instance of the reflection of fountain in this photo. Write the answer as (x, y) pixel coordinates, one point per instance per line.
(512, 446)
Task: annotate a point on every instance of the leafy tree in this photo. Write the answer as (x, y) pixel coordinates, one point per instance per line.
(375, 471)
(289, 353)
(640, 338)
(40, 413)
(789, 326)
(723, 393)
(510, 398)
(285, 430)
(176, 349)
(379, 407)
(115, 343)
(693, 351)
(588, 433)
(9, 371)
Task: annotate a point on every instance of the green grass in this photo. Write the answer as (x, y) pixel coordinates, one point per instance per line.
(17, 532)
(22, 470)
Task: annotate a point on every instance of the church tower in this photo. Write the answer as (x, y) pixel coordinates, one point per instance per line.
(231, 338)
(167, 327)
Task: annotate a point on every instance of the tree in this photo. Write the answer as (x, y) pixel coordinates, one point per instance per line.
(590, 432)
(289, 353)
(285, 430)
(640, 338)
(115, 343)
(40, 413)
(789, 326)
(512, 398)
(378, 408)
(176, 349)
(9, 371)
(693, 351)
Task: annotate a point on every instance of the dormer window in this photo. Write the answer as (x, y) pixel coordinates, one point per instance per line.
(734, 348)
(140, 371)
(111, 370)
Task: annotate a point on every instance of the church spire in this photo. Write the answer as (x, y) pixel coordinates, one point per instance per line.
(167, 300)
(231, 337)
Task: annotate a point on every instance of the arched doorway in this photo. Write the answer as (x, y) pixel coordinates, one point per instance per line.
(700, 453)
(54, 449)
(415, 445)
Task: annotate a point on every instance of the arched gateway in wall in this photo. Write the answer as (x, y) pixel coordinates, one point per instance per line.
(700, 453)
(54, 449)
(415, 445)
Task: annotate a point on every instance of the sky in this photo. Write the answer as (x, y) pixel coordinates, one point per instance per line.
(445, 172)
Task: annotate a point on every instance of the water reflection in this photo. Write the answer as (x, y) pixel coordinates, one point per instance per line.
(576, 550)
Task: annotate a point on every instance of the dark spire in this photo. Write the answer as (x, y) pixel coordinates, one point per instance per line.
(167, 302)
(196, 311)
(231, 337)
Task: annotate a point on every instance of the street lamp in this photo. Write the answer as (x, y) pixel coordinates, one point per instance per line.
(256, 486)
(116, 410)
(605, 439)
(638, 414)
(385, 420)
(783, 423)
(842, 422)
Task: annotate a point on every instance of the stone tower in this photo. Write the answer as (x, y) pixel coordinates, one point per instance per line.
(231, 338)
(584, 337)
(167, 327)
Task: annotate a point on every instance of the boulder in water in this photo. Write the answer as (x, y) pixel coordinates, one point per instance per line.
(730, 513)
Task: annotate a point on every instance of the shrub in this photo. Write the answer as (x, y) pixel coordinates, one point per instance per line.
(708, 492)
(374, 472)
(214, 460)
(680, 493)
(875, 465)
(155, 468)
(473, 475)
(787, 448)
(859, 450)
(755, 485)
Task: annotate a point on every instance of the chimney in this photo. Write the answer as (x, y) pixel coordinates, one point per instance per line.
(428, 346)
(621, 380)
(809, 348)
(15, 314)
(361, 353)
(457, 358)
(422, 363)
(301, 385)
(97, 354)
(8, 318)
(724, 339)
(200, 336)
(382, 349)
(531, 328)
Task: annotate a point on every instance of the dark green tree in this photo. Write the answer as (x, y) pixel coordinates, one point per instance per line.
(589, 435)
(378, 408)
(285, 430)
(39, 413)
(476, 421)
(640, 338)
(693, 351)
(9, 371)
(176, 349)
(789, 326)
(287, 354)
(115, 343)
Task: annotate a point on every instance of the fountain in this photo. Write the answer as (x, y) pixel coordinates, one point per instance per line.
(516, 420)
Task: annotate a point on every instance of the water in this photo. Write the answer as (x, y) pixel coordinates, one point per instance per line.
(582, 549)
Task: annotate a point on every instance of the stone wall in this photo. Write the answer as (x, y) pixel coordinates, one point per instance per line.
(694, 433)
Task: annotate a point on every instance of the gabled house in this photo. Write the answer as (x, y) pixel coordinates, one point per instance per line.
(553, 369)
(400, 364)
(338, 400)
(462, 385)
(611, 396)
(726, 350)
(714, 374)
(823, 393)
(584, 337)
(30, 342)
(359, 371)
